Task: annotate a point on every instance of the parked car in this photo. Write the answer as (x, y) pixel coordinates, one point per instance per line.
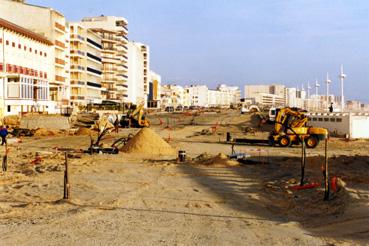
(179, 108)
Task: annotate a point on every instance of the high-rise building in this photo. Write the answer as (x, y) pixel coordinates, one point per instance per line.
(113, 32)
(26, 68)
(136, 89)
(86, 65)
(50, 24)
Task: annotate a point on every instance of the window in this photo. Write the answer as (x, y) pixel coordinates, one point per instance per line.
(7, 42)
(35, 51)
(333, 119)
(40, 53)
(30, 49)
(25, 48)
(326, 119)
(314, 119)
(339, 120)
(1, 40)
(13, 44)
(19, 46)
(320, 119)
(45, 54)
(9, 109)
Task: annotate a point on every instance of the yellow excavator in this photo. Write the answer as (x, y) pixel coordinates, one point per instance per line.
(135, 118)
(290, 128)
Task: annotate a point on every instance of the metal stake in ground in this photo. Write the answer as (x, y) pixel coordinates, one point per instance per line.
(303, 161)
(66, 179)
(5, 159)
(326, 173)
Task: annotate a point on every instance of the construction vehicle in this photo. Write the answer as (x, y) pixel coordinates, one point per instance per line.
(135, 118)
(290, 128)
(245, 108)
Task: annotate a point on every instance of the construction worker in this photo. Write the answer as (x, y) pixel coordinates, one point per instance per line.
(331, 108)
(3, 134)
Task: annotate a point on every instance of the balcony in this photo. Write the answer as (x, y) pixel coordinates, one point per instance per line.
(93, 57)
(93, 43)
(59, 61)
(77, 53)
(77, 67)
(93, 84)
(123, 75)
(60, 27)
(59, 44)
(94, 71)
(77, 83)
(59, 78)
(77, 98)
(77, 37)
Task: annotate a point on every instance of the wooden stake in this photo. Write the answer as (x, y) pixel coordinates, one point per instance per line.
(326, 173)
(66, 179)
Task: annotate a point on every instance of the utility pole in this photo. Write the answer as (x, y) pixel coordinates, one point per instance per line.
(342, 77)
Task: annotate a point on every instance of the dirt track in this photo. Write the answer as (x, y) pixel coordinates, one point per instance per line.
(146, 200)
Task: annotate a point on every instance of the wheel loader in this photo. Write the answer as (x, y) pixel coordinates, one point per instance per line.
(135, 118)
(290, 128)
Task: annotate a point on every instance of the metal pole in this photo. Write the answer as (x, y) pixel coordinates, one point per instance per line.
(303, 160)
(5, 159)
(326, 173)
(66, 179)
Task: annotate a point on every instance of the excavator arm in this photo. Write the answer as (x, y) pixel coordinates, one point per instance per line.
(282, 117)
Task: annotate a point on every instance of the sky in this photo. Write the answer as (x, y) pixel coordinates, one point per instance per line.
(241, 42)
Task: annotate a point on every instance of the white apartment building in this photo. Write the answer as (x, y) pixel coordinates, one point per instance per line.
(173, 95)
(267, 95)
(26, 68)
(50, 24)
(231, 94)
(113, 32)
(137, 73)
(198, 95)
(86, 66)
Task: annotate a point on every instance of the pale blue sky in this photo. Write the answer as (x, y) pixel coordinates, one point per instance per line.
(241, 42)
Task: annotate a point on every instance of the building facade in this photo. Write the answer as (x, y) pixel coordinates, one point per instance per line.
(86, 66)
(26, 67)
(113, 32)
(52, 25)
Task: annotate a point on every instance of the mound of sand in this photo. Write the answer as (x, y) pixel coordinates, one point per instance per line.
(146, 141)
(218, 160)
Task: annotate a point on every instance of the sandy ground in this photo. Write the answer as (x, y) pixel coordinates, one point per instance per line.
(152, 200)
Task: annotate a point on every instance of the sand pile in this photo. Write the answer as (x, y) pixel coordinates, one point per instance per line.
(218, 160)
(146, 141)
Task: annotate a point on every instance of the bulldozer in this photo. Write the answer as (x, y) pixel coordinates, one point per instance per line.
(290, 127)
(135, 118)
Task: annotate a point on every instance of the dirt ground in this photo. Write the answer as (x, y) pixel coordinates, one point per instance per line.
(129, 199)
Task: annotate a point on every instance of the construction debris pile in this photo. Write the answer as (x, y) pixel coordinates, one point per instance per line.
(86, 119)
(146, 141)
(218, 160)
